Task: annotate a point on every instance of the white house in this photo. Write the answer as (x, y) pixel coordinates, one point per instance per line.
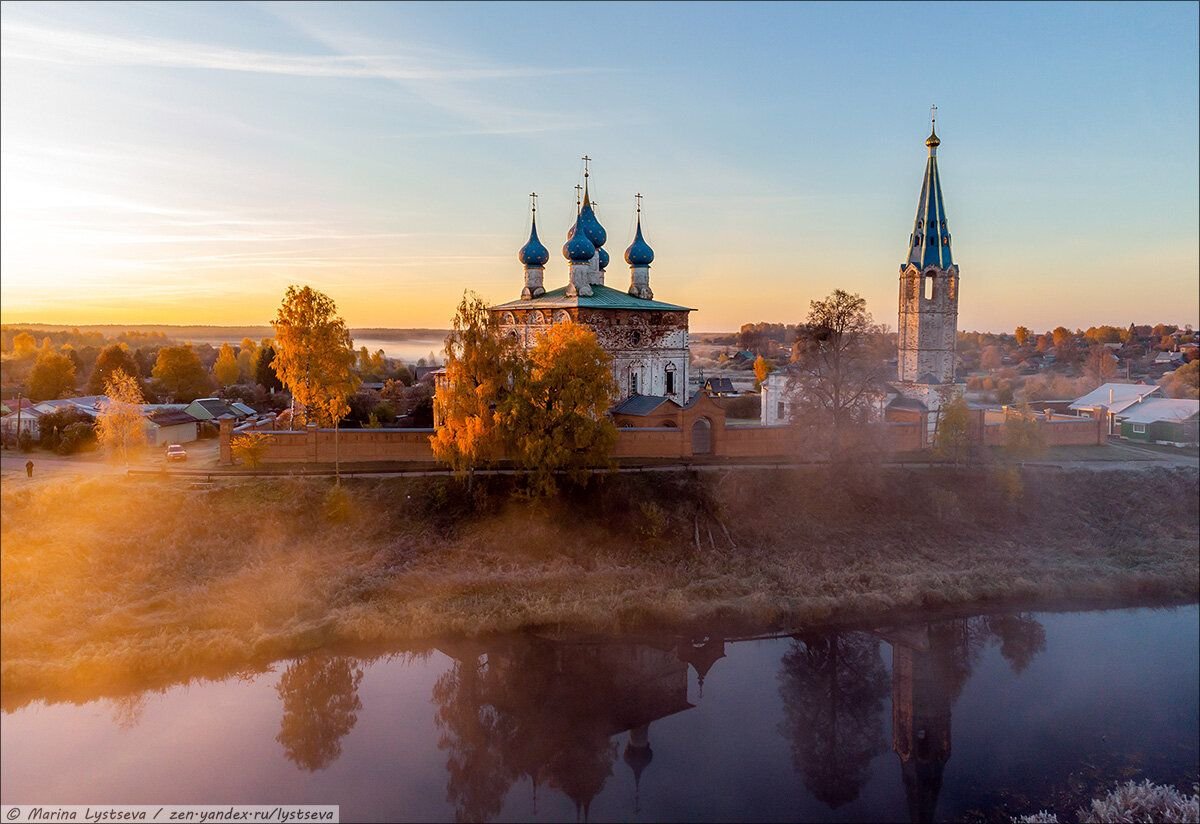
(1114, 398)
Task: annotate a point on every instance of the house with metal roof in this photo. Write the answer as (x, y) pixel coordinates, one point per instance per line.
(209, 409)
(26, 419)
(646, 338)
(167, 426)
(1111, 399)
(1170, 421)
(720, 387)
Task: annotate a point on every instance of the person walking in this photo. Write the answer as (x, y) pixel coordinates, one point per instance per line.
(29, 469)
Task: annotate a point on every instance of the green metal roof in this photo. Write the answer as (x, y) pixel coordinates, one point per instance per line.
(602, 297)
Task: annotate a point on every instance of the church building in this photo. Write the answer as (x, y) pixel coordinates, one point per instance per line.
(647, 339)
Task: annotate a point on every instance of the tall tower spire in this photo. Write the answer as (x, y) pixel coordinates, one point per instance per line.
(928, 316)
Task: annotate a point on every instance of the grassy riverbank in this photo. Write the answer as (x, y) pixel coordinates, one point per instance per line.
(110, 581)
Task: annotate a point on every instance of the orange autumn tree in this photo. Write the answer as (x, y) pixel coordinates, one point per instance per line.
(556, 416)
(314, 358)
(480, 365)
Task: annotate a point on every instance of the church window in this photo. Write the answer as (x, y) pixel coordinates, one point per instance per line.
(562, 316)
(508, 318)
(929, 287)
(779, 410)
(537, 317)
(670, 379)
(633, 387)
(637, 337)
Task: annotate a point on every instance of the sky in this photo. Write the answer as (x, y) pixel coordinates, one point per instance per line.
(180, 163)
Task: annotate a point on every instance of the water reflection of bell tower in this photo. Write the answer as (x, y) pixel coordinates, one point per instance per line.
(921, 704)
(638, 756)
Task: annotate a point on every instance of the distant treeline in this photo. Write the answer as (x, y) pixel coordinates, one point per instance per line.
(138, 334)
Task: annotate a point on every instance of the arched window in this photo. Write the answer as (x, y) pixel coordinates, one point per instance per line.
(537, 317)
(929, 286)
(562, 316)
(508, 319)
(670, 378)
(633, 381)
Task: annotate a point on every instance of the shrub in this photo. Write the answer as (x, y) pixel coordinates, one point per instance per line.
(1142, 802)
(1130, 802)
(337, 506)
(249, 448)
(53, 425)
(744, 406)
(75, 437)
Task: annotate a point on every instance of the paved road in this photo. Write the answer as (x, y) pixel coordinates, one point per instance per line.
(47, 465)
(202, 457)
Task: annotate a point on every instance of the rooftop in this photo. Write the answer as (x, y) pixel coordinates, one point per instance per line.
(1115, 396)
(639, 405)
(602, 297)
(1155, 410)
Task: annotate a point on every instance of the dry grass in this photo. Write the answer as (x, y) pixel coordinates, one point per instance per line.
(112, 582)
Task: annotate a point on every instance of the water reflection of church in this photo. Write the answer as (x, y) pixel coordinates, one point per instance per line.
(514, 710)
(558, 714)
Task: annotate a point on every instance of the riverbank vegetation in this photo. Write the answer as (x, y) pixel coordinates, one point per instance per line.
(115, 581)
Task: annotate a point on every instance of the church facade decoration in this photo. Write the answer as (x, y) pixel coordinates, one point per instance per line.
(646, 338)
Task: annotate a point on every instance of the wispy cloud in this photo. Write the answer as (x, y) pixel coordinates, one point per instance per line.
(25, 41)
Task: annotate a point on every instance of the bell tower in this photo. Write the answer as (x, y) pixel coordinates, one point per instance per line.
(927, 327)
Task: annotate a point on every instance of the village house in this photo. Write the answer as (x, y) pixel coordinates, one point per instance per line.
(1168, 421)
(209, 409)
(720, 388)
(168, 426)
(1111, 399)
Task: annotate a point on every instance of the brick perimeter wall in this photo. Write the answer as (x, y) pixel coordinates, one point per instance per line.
(753, 442)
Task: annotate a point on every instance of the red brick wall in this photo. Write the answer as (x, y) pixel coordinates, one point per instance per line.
(752, 442)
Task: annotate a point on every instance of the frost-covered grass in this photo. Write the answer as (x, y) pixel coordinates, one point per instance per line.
(1131, 802)
(110, 582)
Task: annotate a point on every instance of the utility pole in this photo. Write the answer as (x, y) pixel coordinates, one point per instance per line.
(18, 419)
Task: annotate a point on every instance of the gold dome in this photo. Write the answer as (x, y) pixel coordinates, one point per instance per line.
(932, 141)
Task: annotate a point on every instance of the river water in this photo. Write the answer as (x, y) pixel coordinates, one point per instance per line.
(966, 719)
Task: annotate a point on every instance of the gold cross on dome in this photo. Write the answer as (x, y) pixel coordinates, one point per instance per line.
(638, 198)
(933, 115)
(586, 161)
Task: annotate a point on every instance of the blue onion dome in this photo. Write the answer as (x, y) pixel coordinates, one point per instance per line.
(639, 252)
(589, 222)
(533, 253)
(578, 248)
(603, 258)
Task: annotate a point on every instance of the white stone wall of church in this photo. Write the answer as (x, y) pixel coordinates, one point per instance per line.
(635, 348)
(776, 409)
(650, 366)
